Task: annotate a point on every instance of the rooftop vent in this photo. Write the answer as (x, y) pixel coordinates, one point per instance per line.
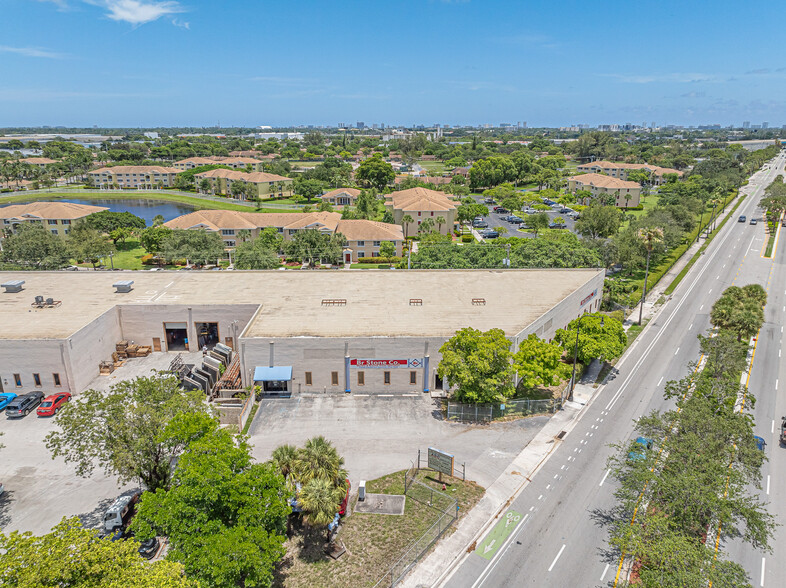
(478, 302)
(123, 287)
(13, 286)
(416, 302)
(334, 302)
(40, 302)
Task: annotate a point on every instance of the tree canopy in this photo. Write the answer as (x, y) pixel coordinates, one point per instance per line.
(375, 172)
(107, 221)
(195, 246)
(33, 247)
(604, 341)
(121, 430)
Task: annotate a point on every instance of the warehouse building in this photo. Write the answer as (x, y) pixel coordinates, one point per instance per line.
(331, 331)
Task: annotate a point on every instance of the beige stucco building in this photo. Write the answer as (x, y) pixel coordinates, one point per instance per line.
(421, 204)
(146, 177)
(56, 217)
(264, 185)
(626, 194)
(621, 170)
(242, 163)
(332, 331)
(341, 196)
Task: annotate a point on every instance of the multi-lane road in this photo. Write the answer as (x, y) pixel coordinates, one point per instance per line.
(554, 533)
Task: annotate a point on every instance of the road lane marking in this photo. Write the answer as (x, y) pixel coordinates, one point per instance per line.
(709, 291)
(772, 428)
(779, 352)
(498, 535)
(762, 568)
(768, 484)
(776, 383)
(717, 277)
(659, 381)
(601, 484)
(551, 567)
(690, 327)
(676, 352)
(548, 486)
(541, 496)
(701, 307)
(606, 569)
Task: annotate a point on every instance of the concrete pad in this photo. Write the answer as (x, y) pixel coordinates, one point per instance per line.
(387, 504)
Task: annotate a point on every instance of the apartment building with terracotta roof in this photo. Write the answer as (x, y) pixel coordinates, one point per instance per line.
(626, 194)
(147, 177)
(223, 181)
(420, 204)
(241, 163)
(56, 217)
(364, 237)
(341, 196)
(621, 170)
(41, 162)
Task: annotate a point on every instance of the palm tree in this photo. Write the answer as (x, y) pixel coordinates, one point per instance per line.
(440, 221)
(320, 500)
(650, 238)
(319, 460)
(405, 220)
(284, 457)
(244, 235)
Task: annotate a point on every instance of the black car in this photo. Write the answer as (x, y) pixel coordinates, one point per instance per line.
(742, 219)
(556, 226)
(480, 224)
(23, 405)
(501, 210)
(489, 234)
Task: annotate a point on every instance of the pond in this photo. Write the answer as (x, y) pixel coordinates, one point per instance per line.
(142, 207)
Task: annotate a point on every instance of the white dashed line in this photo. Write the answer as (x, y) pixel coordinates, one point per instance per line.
(701, 307)
(541, 496)
(551, 567)
(606, 569)
(659, 381)
(676, 352)
(768, 484)
(690, 327)
(762, 566)
(604, 477)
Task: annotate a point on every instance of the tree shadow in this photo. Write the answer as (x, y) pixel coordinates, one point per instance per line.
(5, 508)
(95, 518)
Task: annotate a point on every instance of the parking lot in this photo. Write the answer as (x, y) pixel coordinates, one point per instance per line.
(495, 220)
(39, 491)
(378, 435)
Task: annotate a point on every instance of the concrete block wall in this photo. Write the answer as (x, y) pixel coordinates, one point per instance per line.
(28, 356)
(91, 345)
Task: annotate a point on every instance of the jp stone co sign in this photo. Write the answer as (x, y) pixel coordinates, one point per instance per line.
(386, 363)
(440, 461)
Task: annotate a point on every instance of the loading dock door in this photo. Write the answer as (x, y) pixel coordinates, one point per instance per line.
(176, 336)
(207, 334)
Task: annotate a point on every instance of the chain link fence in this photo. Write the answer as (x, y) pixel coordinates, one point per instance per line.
(446, 510)
(483, 413)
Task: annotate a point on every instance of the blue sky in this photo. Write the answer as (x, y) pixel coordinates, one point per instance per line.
(278, 62)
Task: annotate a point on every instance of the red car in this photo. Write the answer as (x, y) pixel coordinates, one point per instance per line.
(342, 510)
(52, 404)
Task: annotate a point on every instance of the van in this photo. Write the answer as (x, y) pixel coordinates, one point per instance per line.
(121, 511)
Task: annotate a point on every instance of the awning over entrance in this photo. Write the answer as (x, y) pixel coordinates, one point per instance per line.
(277, 373)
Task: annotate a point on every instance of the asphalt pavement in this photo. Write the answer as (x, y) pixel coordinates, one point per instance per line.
(554, 532)
(495, 220)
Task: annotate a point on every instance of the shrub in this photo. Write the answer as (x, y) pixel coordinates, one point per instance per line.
(379, 260)
(467, 238)
(148, 259)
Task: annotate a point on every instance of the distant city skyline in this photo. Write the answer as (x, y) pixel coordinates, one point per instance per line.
(144, 63)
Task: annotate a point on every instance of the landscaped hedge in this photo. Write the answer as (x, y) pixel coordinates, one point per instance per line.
(379, 260)
(467, 238)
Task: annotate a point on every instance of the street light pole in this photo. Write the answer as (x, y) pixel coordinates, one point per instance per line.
(576, 354)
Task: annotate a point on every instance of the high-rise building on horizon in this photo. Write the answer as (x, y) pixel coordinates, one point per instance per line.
(765, 125)
(746, 124)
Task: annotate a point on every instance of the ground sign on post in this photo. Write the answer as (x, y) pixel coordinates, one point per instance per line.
(440, 461)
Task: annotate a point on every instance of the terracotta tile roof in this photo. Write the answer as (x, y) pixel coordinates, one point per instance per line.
(421, 199)
(38, 160)
(232, 174)
(611, 165)
(215, 220)
(353, 192)
(368, 230)
(197, 161)
(135, 169)
(601, 181)
(49, 210)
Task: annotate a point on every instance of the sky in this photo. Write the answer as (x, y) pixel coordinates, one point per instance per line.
(145, 63)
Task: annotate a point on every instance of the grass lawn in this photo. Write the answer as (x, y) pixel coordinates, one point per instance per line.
(196, 202)
(433, 167)
(370, 266)
(373, 541)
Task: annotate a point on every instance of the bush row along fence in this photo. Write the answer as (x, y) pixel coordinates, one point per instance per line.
(482, 413)
(446, 508)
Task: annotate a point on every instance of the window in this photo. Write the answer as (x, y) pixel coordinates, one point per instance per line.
(413, 377)
(56, 378)
(387, 377)
(228, 231)
(37, 380)
(53, 231)
(420, 214)
(376, 244)
(361, 378)
(308, 378)
(18, 380)
(230, 243)
(52, 221)
(334, 378)
(66, 221)
(361, 243)
(361, 254)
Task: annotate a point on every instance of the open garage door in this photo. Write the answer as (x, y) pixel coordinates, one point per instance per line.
(176, 336)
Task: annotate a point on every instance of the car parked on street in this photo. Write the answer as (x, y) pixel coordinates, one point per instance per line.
(23, 405)
(53, 403)
(5, 398)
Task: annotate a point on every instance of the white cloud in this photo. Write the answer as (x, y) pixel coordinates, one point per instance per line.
(31, 52)
(678, 78)
(138, 12)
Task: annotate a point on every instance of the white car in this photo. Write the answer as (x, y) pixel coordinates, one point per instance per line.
(1, 489)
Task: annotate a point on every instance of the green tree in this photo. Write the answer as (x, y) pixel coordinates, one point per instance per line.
(320, 500)
(538, 222)
(598, 221)
(309, 189)
(152, 238)
(88, 244)
(192, 245)
(387, 249)
(121, 430)
(405, 221)
(366, 205)
(158, 220)
(650, 237)
(602, 341)
(539, 363)
(107, 221)
(74, 557)
(375, 172)
(478, 364)
(740, 310)
(120, 234)
(224, 515)
(256, 255)
(310, 246)
(33, 247)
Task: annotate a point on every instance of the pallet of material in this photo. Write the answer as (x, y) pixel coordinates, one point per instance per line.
(106, 367)
(138, 351)
(121, 345)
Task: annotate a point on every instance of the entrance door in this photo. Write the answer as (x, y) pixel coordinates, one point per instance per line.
(207, 334)
(437, 382)
(156, 343)
(347, 257)
(176, 336)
